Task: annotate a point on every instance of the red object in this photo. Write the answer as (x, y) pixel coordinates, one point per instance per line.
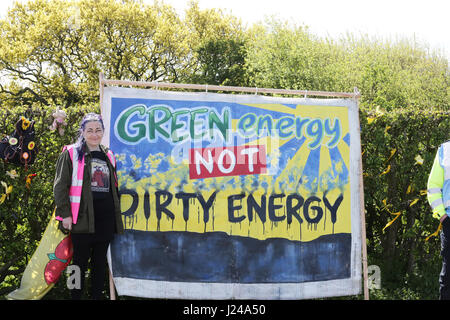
(28, 179)
(98, 177)
(227, 161)
(59, 260)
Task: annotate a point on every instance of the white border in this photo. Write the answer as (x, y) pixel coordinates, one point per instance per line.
(259, 291)
(231, 291)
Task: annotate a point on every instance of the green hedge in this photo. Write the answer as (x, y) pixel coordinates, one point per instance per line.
(409, 265)
(394, 145)
(25, 214)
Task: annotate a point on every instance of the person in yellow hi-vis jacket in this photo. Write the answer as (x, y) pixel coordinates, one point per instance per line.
(439, 199)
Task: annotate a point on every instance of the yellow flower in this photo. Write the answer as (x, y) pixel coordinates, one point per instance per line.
(414, 202)
(29, 179)
(13, 174)
(386, 206)
(386, 171)
(393, 151)
(419, 159)
(408, 191)
(8, 190)
(435, 233)
(25, 123)
(397, 214)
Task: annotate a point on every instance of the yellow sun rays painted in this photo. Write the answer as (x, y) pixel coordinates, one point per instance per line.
(271, 190)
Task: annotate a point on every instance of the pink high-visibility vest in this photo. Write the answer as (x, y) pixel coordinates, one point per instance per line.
(77, 180)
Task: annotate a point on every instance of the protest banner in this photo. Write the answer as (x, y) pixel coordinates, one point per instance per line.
(235, 196)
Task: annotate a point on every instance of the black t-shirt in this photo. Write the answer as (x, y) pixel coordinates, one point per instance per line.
(102, 196)
(99, 175)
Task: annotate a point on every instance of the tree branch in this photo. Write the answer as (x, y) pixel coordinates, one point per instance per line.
(22, 91)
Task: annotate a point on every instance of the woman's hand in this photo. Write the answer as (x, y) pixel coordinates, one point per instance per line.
(67, 223)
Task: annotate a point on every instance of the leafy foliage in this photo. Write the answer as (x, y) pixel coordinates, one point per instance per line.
(61, 46)
(25, 214)
(395, 181)
(388, 75)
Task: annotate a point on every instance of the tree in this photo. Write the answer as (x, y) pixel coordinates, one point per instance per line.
(61, 46)
(222, 62)
(388, 74)
(290, 57)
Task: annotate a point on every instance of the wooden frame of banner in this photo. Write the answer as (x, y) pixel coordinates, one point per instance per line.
(205, 87)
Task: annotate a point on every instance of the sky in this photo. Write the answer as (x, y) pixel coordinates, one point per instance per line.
(425, 21)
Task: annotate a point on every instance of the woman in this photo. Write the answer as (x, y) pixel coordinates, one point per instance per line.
(87, 201)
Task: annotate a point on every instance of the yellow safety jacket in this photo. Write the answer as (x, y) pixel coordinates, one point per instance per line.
(439, 182)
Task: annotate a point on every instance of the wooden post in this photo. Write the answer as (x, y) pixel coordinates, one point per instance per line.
(362, 214)
(364, 247)
(205, 88)
(363, 237)
(101, 82)
(112, 289)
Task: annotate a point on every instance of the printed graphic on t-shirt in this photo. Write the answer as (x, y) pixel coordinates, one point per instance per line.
(100, 176)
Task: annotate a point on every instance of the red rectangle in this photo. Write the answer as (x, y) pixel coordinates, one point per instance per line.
(227, 161)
